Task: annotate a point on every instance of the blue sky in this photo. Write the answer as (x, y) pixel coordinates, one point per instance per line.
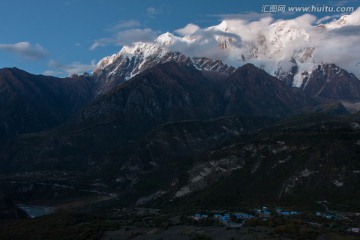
(59, 36)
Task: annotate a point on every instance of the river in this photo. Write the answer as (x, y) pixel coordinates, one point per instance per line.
(35, 211)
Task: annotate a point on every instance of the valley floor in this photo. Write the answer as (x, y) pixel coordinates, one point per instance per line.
(188, 232)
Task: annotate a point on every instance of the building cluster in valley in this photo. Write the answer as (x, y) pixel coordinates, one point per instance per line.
(239, 218)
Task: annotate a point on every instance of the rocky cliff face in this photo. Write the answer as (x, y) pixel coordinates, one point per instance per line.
(300, 161)
(331, 82)
(251, 91)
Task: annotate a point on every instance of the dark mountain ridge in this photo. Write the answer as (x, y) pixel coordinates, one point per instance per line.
(252, 91)
(30, 103)
(156, 131)
(329, 81)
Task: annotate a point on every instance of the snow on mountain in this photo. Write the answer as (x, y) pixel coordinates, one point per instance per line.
(140, 50)
(292, 49)
(167, 39)
(288, 49)
(224, 42)
(131, 60)
(285, 45)
(207, 64)
(283, 33)
(345, 20)
(141, 53)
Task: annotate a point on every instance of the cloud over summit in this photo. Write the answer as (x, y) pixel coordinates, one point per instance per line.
(275, 44)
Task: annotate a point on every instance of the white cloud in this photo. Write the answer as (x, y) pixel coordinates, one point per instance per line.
(100, 43)
(205, 43)
(126, 37)
(352, 19)
(135, 35)
(326, 18)
(52, 73)
(124, 24)
(264, 41)
(271, 43)
(26, 50)
(188, 29)
(73, 68)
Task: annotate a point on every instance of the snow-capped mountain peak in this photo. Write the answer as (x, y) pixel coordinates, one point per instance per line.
(134, 59)
(166, 39)
(288, 49)
(106, 61)
(138, 50)
(224, 41)
(282, 33)
(345, 20)
(143, 49)
(223, 26)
